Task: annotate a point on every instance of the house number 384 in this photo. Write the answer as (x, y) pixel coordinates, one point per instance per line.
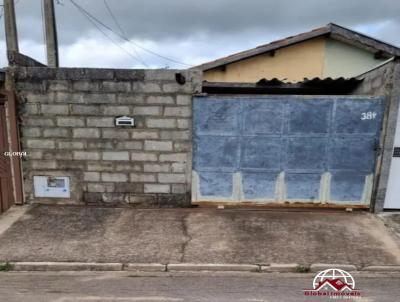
(368, 115)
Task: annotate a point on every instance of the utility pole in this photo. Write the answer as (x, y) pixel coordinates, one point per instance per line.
(10, 26)
(51, 33)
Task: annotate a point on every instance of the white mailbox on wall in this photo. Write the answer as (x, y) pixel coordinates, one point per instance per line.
(52, 187)
(125, 121)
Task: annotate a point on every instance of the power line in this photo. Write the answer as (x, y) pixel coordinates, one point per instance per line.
(108, 37)
(122, 31)
(125, 38)
(84, 13)
(114, 18)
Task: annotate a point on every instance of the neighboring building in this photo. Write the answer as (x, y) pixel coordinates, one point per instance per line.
(330, 51)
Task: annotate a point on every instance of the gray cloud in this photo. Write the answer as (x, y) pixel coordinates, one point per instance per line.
(198, 30)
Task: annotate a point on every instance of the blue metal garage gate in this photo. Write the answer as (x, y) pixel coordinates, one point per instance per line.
(278, 149)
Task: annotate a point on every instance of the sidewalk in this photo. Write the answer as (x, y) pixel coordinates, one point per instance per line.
(392, 221)
(124, 235)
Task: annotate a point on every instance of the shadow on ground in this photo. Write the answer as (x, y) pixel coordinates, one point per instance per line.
(88, 234)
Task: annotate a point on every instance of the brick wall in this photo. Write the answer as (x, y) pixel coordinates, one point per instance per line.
(377, 81)
(67, 129)
(383, 81)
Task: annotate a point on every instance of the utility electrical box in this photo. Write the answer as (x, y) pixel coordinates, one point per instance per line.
(125, 121)
(49, 186)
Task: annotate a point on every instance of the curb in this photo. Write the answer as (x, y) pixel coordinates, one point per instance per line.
(145, 267)
(280, 268)
(193, 267)
(381, 268)
(317, 267)
(214, 267)
(65, 266)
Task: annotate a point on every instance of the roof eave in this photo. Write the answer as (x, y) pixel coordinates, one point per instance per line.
(265, 48)
(363, 41)
(335, 31)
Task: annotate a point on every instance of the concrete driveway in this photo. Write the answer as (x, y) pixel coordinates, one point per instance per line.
(93, 234)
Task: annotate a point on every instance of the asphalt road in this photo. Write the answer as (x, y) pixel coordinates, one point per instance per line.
(128, 287)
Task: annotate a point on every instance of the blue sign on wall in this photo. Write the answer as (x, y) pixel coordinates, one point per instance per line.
(285, 148)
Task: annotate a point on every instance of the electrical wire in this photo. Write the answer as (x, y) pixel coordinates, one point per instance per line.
(122, 31)
(108, 37)
(114, 18)
(125, 38)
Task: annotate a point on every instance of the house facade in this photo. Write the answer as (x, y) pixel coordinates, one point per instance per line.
(161, 138)
(326, 52)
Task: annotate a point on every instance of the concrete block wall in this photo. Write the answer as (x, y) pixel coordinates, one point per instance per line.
(383, 81)
(68, 129)
(377, 82)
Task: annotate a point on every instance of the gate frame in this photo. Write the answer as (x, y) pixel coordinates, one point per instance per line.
(12, 134)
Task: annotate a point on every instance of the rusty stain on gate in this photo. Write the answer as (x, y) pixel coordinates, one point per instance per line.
(10, 167)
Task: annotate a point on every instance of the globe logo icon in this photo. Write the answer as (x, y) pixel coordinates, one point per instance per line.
(336, 277)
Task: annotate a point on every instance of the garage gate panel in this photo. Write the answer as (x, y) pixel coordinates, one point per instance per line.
(285, 148)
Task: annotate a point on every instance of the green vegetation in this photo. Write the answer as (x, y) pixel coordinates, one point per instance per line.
(302, 269)
(5, 266)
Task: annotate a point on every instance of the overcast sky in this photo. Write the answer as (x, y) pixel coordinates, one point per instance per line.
(188, 31)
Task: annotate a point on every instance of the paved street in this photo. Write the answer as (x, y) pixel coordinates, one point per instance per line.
(123, 286)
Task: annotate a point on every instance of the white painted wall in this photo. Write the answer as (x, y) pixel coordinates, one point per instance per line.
(344, 60)
(392, 199)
